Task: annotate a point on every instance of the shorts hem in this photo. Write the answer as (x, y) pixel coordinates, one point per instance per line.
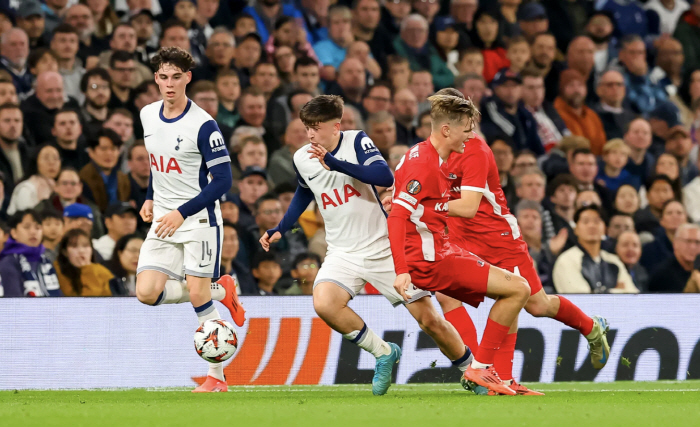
(414, 298)
(200, 274)
(160, 269)
(348, 290)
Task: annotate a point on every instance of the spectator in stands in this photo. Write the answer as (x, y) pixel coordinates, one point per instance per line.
(586, 268)
(221, 48)
(424, 126)
(251, 152)
(544, 51)
(121, 121)
(122, 67)
(67, 131)
(80, 17)
(659, 191)
(285, 194)
(51, 232)
(265, 78)
(523, 162)
(77, 269)
(673, 274)
(174, 33)
(229, 265)
(487, 36)
(30, 18)
(14, 48)
(503, 114)
(306, 266)
(352, 119)
(306, 75)
(584, 168)
(693, 285)
(266, 13)
(105, 184)
(529, 215)
(394, 13)
(120, 220)
(471, 61)
(664, 117)
(8, 92)
(531, 19)
(518, 53)
(626, 200)
(295, 102)
(282, 161)
(14, 155)
(447, 41)
(54, 11)
(503, 154)
(203, 93)
(679, 145)
(642, 94)
(399, 71)
(253, 109)
(252, 185)
(228, 89)
(562, 195)
(579, 118)
(289, 37)
(331, 51)
(139, 173)
(248, 53)
(421, 84)
(123, 264)
(472, 86)
(315, 16)
(267, 271)
(78, 215)
(24, 269)
(673, 215)
(40, 109)
(612, 110)
(422, 55)
(381, 129)
(350, 83)
(613, 174)
(638, 137)
(360, 51)
(550, 127)
(124, 39)
(580, 57)
(378, 98)
(405, 109)
(530, 185)
(65, 44)
(687, 33)
(185, 11)
(39, 182)
(629, 249)
(147, 30)
(40, 61)
(668, 73)
(396, 153)
(619, 223)
(96, 88)
(691, 198)
(229, 209)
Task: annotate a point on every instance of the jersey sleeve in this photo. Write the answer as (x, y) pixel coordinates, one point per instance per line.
(212, 145)
(410, 186)
(367, 152)
(300, 180)
(474, 167)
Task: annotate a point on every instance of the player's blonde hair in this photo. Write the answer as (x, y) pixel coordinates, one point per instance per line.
(449, 105)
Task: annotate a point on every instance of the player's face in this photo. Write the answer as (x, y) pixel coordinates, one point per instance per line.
(129, 257)
(27, 232)
(79, 252)
(230, 244)
(323, 133)
(52, 229)
(172, 82)
(459, 133)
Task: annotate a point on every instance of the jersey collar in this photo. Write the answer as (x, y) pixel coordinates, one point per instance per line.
(337, 147)
(174, 119)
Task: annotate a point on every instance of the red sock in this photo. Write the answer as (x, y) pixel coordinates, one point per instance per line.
(459, 318)
(572, 316)
(503, 361)
(494, 334)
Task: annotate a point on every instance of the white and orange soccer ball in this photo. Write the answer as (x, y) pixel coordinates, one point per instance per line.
(215, 340)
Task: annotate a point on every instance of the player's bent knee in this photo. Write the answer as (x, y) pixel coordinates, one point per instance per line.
(521, 289)
(148, 297)
(447, 304)
(431, 322)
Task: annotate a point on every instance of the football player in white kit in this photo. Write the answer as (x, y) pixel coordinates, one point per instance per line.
(339, 170)
(190, 171)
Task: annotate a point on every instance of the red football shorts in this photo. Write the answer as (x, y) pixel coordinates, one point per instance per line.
(460, 275)
(503, 252)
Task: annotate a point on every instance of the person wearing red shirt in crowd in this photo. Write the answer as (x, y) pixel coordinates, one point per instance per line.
(423, 257)
(490, 231)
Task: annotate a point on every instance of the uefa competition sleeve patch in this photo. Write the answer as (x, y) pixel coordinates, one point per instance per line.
(414, 187)
(407, 197)
(216, 142)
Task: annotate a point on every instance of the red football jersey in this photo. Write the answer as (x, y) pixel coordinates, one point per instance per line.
(421, 192)
(476, 170)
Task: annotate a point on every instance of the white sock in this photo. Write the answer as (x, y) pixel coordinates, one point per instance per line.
(367, 340)
(175, 292)
(463, 362)
(217, 292)
(479, 365)
(208, 311)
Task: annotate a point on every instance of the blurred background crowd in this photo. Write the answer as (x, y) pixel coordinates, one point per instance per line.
(583, 102)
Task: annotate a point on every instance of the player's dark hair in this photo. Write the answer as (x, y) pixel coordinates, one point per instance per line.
(294, 93)
(51, 212)
(578, 151)
(264, 198)
(174, 56)
(95, 72)
(120, 56)
(594, 208)
(37, 54)
(307, 255)
(261, 257)
(137, 143)
(451, 108)
(105, 133)
(64, 29)
(558, 181)
(72, 272)
(285, 187)
(304, 61)
(14, 219)
(321, 109)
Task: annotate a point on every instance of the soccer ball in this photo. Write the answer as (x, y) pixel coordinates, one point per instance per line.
(215, 340)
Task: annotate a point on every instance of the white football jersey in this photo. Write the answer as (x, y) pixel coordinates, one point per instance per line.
(354, 217)
(182, 150)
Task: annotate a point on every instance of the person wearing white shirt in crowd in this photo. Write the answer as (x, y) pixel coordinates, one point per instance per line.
(691, 198)
(669, 12)
(120, 219)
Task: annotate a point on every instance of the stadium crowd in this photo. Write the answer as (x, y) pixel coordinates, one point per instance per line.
(583, 102)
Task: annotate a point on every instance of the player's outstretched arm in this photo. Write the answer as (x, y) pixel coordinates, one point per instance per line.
(467, 206)
(303, 196)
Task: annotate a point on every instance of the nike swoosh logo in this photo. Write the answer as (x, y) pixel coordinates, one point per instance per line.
(147, 136)
(314, 177)
(202, 266)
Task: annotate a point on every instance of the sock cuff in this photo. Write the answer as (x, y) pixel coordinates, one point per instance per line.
(455, 312)
(202, 309)
(161, 298)
(464, 358)
(355, 338)
(490, 323)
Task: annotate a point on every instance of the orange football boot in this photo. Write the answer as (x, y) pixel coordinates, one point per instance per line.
(211, 385)
(231, 299)
(488, 378)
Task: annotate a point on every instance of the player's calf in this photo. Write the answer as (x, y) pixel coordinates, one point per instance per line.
(542, 305)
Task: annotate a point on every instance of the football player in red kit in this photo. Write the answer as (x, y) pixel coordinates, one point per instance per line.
(490, 231)
(422, 254)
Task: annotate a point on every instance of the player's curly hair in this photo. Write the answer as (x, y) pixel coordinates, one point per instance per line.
(321, 109)
(446, 105)
(174, 56)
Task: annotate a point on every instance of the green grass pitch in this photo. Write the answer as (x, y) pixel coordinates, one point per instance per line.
(662, 403)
